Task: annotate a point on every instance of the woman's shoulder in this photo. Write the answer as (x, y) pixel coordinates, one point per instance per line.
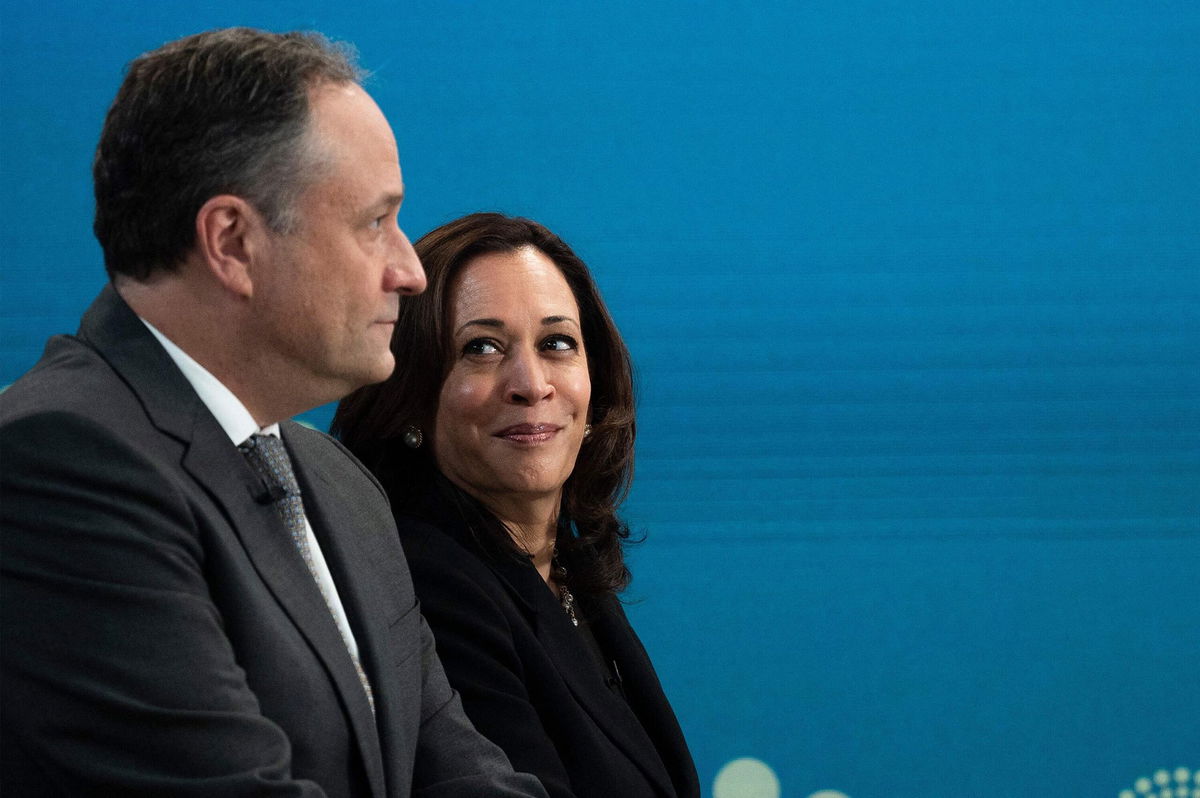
(464, 596)
(426, 539)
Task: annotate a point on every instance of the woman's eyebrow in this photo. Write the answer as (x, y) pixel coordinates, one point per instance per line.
(494, 323)
(497, 324)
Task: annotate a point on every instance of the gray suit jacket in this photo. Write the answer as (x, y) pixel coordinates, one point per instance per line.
(162, 635)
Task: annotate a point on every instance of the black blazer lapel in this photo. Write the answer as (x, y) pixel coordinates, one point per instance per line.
(643, 690)
(577, 666)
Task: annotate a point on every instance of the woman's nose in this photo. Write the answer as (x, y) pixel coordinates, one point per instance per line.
(528, 382)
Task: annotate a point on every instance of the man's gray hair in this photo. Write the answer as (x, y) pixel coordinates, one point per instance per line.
(222, 112)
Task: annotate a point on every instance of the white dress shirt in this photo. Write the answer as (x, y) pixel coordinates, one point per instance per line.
(239, 425)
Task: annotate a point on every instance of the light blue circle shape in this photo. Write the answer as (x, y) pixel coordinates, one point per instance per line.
(746, 778)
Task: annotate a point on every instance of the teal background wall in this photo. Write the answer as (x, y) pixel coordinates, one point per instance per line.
(914, 294)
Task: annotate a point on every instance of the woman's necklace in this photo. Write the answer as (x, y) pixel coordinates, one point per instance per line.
(559, 574)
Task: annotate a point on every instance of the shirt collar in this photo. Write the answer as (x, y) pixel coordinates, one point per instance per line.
(226, 408)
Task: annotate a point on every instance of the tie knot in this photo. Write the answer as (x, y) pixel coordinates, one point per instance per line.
(269, 459)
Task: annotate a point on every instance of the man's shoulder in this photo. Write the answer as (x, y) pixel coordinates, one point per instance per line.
(337, 476)
(75, 414)
(307, 437)
(71, 378)
(311, 446)
(73, 419)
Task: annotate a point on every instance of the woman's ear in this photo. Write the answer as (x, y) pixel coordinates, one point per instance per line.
(230, 234)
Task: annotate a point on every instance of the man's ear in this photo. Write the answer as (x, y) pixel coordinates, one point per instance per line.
(230, 234)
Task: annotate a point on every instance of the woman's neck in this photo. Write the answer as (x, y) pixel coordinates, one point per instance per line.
(535, 539)
(532, 522)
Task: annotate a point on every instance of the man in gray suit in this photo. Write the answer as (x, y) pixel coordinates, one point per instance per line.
(200, 597)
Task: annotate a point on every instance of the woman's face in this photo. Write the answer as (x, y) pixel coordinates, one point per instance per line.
(511, 412)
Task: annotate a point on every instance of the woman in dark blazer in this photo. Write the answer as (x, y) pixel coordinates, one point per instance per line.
(505, 441)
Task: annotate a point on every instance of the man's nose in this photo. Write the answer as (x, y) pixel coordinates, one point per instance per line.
(404, 273)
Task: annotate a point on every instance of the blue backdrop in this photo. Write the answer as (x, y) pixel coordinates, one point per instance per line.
(914, 294)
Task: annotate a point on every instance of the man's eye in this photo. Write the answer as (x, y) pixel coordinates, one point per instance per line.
(560, 343)
(378, 221)
(481, 346)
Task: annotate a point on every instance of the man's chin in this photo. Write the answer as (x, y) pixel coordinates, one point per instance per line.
(348, 380)
(381, 372)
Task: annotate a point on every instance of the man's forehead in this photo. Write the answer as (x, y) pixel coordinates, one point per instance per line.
(347, 125)
(344, 111)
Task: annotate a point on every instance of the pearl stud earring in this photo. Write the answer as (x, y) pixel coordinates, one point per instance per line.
(412, 436)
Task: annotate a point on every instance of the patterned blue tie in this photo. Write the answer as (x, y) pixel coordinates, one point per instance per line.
(270, 460)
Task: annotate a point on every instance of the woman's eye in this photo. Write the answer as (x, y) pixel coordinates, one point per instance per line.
(480, 346)
(560, 343)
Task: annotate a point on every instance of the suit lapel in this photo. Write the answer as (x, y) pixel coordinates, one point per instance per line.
(643, 690)
(214, 462)
(575, 663)
(360, 590)
(217, 466)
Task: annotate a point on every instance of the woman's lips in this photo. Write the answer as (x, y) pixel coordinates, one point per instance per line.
(528, 433)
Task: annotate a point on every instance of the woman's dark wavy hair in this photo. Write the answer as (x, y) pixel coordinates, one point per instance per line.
(371, 420)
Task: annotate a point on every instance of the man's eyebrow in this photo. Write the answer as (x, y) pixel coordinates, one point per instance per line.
(388, 200)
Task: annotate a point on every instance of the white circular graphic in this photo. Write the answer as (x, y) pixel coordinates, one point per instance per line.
(1170, 784)
(746, 778)
(829, 794)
